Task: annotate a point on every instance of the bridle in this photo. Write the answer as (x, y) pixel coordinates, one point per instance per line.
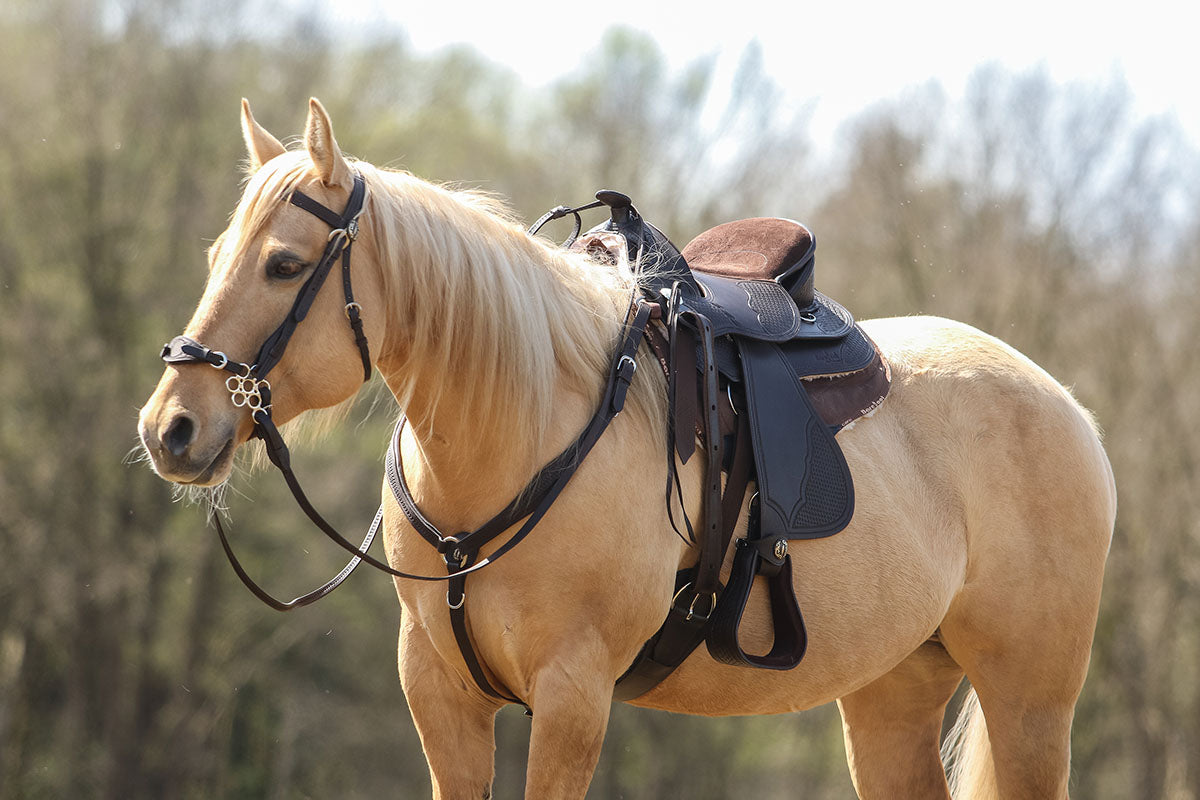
(249, 388)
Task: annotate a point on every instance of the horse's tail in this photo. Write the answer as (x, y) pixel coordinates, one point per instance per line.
(967, 754)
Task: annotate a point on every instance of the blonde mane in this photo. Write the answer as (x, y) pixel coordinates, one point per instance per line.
(518, 318)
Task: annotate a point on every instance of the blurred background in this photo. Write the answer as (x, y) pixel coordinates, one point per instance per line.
(1034, 174)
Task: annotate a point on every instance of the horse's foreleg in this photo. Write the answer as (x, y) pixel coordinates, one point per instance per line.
(893, 725)
(456, 723)
(571, 704)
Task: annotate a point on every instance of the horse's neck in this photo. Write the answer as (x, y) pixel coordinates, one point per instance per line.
(470, 447)
(459, 479)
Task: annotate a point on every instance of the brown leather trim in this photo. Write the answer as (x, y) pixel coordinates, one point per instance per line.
(842, 399)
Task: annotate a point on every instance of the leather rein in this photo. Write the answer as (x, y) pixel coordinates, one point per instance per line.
(249, 388)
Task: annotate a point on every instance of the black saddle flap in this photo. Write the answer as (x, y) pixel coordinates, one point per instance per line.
(804, 484)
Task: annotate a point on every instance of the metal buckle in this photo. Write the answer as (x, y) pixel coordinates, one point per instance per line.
(350, 231)
(357, 308)
(692, 606)
(224, 360)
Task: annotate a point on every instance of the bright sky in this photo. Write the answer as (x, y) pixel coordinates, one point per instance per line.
(840, 53)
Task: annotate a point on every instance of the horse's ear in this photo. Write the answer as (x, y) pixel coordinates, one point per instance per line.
(260, 144)
(323, 148)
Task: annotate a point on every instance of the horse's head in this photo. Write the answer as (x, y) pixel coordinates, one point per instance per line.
(191, 427)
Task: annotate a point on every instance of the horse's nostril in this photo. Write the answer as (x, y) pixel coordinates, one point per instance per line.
(179, 435)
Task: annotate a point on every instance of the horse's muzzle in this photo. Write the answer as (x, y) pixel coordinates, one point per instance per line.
(180, 454)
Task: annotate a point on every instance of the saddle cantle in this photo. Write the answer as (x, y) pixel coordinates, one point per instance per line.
(779, 369)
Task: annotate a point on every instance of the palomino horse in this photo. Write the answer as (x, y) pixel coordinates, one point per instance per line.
(985, 500)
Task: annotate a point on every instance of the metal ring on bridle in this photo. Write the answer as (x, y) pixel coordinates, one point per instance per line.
(224, 360)
(357, 308)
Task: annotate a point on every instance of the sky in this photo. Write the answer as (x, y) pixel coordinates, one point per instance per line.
(839, 56)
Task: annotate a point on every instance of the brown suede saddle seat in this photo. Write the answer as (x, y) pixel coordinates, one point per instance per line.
(762, 372)
(846, 378)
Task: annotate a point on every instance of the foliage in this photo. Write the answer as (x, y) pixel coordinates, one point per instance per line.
(133, 665)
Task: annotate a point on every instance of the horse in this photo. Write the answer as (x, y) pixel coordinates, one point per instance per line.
(985, 501)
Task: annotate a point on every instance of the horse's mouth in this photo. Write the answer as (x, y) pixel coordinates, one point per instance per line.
(218, 466)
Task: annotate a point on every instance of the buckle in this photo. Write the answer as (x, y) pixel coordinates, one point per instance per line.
(691, 611)
(453, 554)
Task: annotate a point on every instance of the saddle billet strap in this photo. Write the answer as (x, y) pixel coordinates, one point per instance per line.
(708, 582)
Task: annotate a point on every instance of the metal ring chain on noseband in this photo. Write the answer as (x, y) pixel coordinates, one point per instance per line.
(246, 391)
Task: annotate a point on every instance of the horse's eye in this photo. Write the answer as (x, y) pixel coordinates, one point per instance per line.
(284, 266)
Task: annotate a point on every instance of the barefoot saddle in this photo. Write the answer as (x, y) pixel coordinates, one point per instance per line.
(762, 372)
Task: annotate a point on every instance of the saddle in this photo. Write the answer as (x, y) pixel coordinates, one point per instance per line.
(762, 372)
